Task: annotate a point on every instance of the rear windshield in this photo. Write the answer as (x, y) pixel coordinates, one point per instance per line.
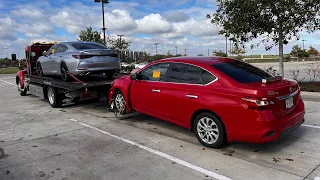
(82, 46)
(242, 72)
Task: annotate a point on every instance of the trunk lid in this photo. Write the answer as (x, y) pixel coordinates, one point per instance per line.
(98, 52)
(283, 95)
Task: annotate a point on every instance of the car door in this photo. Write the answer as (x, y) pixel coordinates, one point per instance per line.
(182, 92)
(146, 92)
(57, 57)
(46, 60)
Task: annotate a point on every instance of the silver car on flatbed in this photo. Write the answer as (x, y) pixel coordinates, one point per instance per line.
(78, 58)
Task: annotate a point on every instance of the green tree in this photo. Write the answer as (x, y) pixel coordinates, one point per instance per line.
(116, 45)
(90, 36)
(238, 50)
(220, 53)
(274, 21)
(297, 51)
(313, 51)
(200, 54)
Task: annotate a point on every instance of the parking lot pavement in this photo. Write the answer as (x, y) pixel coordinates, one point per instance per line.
(87, 142)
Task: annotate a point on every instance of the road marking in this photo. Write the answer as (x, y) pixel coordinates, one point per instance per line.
(311, 126)
(7, 82)
(7, 78)
(164, 155)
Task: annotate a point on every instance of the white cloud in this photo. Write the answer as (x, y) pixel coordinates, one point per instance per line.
(176, 16)
(120, 20)
(172, 35)
(31, 14)
(7, 29)
(153, 24)
(37, 27)
(197, 28)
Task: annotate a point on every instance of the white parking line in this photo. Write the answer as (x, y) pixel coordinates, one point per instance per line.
(7, 82)
(164, 155)
(4, 78)
(311, 126)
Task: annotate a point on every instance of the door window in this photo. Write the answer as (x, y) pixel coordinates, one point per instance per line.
(52, 49)
(185, 73)
(61, 48)
(207, 77)
(156, 72)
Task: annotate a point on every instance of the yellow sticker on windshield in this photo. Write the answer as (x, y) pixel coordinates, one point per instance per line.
(156, 74)
(53, 50)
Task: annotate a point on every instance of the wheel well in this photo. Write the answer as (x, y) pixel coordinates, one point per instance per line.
(195, 114)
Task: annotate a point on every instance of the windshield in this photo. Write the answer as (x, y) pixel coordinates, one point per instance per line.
(81, 46)
(242, 72)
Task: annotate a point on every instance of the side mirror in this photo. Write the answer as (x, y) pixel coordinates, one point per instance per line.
(44, 53)
(134, 77)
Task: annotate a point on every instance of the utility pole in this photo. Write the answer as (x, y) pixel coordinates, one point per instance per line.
(156, 47)
(230, 48)
(176, 50)
(208, 52)
(104, 27)
(303, 43)
(185, 52)
(226, 45)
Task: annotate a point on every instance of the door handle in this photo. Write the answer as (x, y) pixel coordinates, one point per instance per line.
(156, 90)
(191, 96)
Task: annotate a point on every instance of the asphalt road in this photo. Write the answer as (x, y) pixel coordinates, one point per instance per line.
(87, 142)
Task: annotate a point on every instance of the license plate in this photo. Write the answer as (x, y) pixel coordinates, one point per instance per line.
(289, 103)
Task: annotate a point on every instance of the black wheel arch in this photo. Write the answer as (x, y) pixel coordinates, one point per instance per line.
(199, 111)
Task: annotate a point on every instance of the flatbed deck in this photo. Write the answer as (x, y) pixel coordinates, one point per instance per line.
(88, 81)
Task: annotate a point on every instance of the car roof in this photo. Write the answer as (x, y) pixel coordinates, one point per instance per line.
(198, 60)
(73, 42)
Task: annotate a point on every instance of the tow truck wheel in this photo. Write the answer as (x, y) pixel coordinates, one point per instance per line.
(53, 97)
(23, 92)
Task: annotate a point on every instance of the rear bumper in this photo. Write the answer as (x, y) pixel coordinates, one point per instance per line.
(270, 130)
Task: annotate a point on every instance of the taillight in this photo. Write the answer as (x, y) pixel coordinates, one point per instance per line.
(257, 103)
(82, 56)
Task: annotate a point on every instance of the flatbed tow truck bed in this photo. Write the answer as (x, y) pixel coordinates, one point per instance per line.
(59, 92)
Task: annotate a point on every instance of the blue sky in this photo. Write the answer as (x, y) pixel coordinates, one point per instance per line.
(171, 23)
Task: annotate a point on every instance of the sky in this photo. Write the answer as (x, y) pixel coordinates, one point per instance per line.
(170, 23)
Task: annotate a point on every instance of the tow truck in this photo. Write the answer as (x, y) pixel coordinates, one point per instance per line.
(58, 92)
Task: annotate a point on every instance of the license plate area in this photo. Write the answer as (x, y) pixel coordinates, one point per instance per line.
(289, 103)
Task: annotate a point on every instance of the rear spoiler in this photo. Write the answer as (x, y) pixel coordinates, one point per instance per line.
(272, 79)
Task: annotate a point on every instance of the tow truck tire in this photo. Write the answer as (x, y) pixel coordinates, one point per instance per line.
(53, 97)
(21, 92)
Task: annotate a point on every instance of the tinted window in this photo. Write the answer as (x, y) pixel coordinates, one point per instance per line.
(81, 46)
(242, 72)
(61, 48)
(155, 72)
(184, 73)
(207, 77)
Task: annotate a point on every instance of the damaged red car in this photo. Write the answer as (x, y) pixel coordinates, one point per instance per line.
(220, 99)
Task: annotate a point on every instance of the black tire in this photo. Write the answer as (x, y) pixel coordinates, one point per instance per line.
(119, 108)
(215, 132)
(21, 92)
(53, 97)
(64, 72)
(39, 69)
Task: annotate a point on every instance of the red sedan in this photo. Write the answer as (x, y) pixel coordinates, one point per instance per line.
(220, 99)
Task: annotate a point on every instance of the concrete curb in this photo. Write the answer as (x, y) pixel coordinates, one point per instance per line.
(305, 93)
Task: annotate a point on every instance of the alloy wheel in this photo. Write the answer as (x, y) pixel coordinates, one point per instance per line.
(207, 130)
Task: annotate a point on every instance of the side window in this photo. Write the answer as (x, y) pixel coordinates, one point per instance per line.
(52, 49)
(61, 48)
(207, 77)
(155, 72)
(184, 73)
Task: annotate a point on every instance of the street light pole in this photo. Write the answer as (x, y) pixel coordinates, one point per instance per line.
(120, 45)
(185, 52)
(156, 47)
(103, 28)
(303, 43)
(176, 50)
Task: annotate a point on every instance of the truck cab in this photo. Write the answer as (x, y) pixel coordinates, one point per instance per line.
(32, 52)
